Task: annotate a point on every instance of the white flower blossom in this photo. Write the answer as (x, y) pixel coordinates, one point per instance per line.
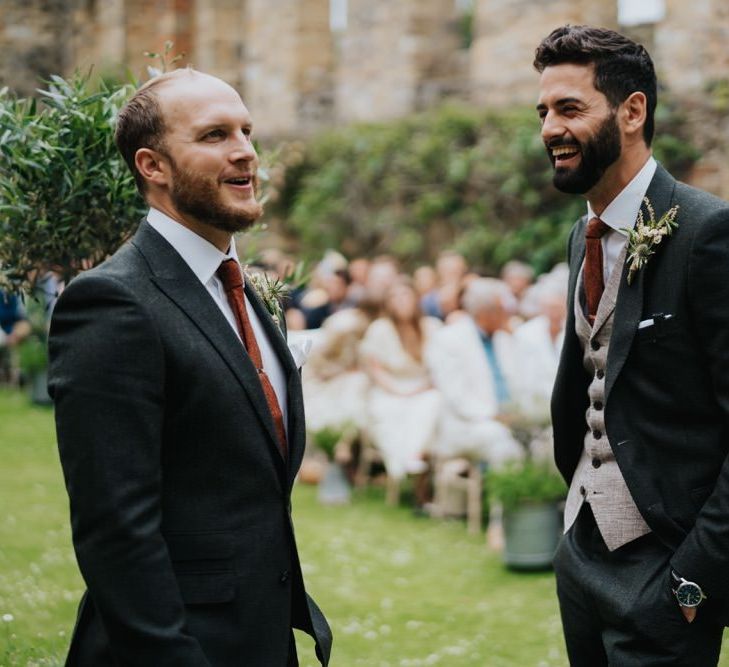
(7, 618)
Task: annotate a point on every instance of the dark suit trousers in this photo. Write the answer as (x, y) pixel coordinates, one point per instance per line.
(618, 609)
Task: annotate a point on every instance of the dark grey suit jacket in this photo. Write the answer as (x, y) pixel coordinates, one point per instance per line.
(180, 499)
(667, 386)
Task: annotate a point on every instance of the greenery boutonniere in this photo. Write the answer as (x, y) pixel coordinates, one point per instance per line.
(646, 235)
(270, 290)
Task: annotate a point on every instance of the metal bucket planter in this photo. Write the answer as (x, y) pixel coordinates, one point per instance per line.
(39, 388)
(334, 488)
(531, 534)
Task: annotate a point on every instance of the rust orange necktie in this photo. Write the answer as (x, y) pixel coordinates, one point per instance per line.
(593, 272)
(232, 278)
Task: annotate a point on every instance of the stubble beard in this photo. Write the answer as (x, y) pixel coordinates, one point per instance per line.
(199, 197)
(597, 154)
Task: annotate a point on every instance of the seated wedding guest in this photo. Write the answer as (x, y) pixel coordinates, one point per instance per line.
(518, 276)
(403, 406)
(425, 280)
(358, 269)
(450, 268)
(335, 387)
(382, 274)
(14, 328)
(538, 344)
(334, 287)
(473, 366)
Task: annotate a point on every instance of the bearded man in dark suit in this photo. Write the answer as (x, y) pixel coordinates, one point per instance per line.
(641, 401)
(179, 413)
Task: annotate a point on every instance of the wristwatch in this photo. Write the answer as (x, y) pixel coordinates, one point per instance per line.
(688, 593)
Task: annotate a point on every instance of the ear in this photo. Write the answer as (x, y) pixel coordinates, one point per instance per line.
(153, 166)
(634, 112)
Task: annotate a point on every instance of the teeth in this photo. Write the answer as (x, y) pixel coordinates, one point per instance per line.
(558, 151)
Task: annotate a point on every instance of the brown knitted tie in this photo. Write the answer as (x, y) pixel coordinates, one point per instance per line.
(593, 272)
(232, 279)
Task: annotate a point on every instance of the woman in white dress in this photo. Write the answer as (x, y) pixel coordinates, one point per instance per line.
(403, 406)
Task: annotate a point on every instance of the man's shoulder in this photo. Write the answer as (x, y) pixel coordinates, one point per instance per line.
(122, 273)
(698, 202)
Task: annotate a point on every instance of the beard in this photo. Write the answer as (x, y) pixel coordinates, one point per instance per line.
(597, 154)
(199, 197)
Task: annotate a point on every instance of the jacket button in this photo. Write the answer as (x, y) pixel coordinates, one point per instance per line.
(284, 576)
(595, 345)
(582, 491)
(600, 374)
(597, 434)
(596, 463)
(597, 405)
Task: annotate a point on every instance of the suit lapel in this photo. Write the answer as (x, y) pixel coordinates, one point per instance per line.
(176, 280)
(629, 306)
(296, 430)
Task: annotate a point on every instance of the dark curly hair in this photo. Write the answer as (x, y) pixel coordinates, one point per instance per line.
(622, 67)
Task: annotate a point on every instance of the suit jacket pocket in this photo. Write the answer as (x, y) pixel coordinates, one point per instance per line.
(658, 331)
(207, 588)
(203, 564)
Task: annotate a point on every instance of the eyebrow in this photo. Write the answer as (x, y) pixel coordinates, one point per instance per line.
(219, 123)
(561, 102)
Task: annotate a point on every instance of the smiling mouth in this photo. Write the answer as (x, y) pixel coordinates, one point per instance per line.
(564, 153)
(241, 181)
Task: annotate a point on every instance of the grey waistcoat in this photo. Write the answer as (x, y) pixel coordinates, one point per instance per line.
(597, 479)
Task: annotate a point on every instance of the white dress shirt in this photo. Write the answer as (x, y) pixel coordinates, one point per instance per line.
(620, 213)
(204, 259)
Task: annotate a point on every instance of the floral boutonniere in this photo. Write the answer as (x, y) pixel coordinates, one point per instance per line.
(646, 235)
(270, 290)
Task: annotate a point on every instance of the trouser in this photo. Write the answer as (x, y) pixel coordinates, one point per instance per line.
(618, 608)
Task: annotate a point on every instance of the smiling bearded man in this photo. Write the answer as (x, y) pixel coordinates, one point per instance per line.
(179, 411)
(640, 406)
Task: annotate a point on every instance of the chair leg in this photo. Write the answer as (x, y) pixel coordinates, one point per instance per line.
(392, 495)
(474, 508)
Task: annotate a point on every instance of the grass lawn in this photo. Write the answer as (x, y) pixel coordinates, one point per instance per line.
(399, 591)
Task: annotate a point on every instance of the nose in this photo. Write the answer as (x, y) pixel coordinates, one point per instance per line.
(551, 127)
(243, 149)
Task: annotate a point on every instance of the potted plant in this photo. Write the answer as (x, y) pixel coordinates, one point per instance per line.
(530, 494)
(334, 489)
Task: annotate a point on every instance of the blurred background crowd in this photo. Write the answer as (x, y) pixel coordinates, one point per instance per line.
(413, 370)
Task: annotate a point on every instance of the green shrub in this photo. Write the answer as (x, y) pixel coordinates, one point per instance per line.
(525, 482)
(456, 177)
(67, 199)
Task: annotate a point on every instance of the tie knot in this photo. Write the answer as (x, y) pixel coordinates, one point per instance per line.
(230, 274)
(596, 229)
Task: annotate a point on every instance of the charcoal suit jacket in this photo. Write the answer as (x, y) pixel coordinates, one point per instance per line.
(179, 496)
(666, 385)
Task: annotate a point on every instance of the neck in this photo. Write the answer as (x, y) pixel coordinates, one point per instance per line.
(616, 177)
(217, 237)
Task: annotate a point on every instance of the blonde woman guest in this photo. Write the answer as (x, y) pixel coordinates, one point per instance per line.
(403, 406)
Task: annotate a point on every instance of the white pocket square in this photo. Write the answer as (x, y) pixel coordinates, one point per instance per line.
(300, 350)
(651, 321)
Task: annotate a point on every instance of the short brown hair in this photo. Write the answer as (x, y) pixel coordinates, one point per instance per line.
(140, 123)
(622, 67)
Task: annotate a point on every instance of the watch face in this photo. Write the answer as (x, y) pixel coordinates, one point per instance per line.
(688, 595)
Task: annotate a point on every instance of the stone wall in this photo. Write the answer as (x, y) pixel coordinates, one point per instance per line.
(33, 42)
(288, 65)
(506, 34)
(395, 57)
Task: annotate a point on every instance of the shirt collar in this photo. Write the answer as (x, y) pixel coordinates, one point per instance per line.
(200, 255)
(622, 211)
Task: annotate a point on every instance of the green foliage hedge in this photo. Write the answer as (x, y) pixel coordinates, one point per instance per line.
(67, 198)
(455, 177)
